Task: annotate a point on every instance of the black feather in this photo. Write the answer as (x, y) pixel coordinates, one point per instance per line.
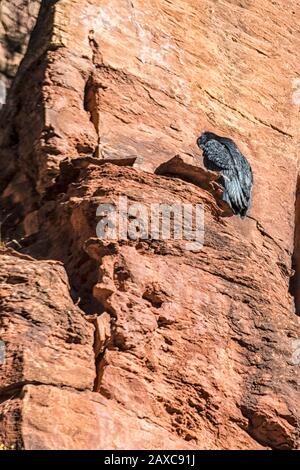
(222, 154)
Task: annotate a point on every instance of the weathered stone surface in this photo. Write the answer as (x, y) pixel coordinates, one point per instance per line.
(17, 19)
(93, 422)
(193, 348)
(177, 314)
(47, 339)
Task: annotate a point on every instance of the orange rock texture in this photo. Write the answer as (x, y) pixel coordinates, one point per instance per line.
(145, 344)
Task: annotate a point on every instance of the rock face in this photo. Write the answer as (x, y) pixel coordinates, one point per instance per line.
(148, 343)
(17, 19)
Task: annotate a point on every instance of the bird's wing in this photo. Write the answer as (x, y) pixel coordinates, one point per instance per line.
(234, 189)
(238, 183)
(217, 154)
(243, 168)
(225, 157)
(219, 158)
(247, 181)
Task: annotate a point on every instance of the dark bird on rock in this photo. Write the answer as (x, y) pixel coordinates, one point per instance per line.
(221, 154)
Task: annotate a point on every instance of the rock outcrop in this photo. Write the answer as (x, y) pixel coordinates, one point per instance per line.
(148, 343)
(17, 19)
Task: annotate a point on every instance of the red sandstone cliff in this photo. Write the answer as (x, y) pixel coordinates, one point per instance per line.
(144, 344)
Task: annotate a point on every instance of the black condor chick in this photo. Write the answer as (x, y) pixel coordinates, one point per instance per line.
(222, 154)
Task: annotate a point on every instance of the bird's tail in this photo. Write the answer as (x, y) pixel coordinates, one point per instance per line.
(234, 196)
